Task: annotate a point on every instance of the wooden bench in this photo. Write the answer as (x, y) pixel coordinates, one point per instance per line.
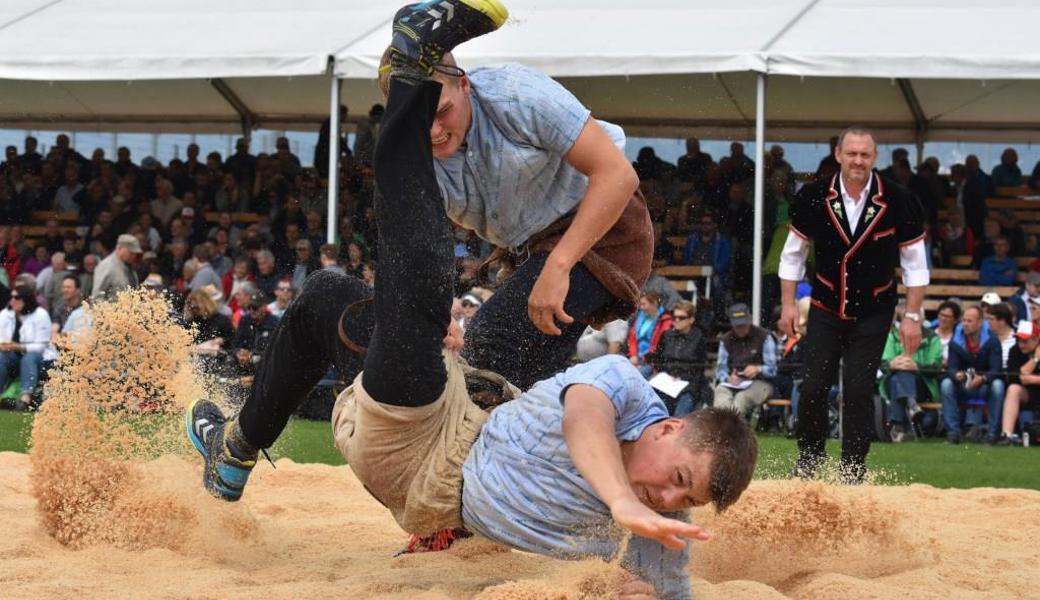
(938, 276)
(965, 261)
(1013, 203)
(237, 217)
(682, 277)
(38, 231)
(786, 406)
(1014, 191)
(64, 217)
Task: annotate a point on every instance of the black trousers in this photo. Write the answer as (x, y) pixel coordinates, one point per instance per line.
(411, 307)
(503, 339)
(860, 344)
(303, 346)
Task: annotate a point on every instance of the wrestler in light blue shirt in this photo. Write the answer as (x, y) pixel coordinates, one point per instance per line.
(521, 488)
(510, 180)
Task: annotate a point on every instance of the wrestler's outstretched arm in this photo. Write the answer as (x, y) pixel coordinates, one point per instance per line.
(588, 429)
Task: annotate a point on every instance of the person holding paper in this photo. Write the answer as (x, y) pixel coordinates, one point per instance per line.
(682, 354)
(746, 364)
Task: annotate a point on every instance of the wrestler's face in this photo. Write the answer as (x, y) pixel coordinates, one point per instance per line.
(857, 155)
(453, 117)
(666, 475)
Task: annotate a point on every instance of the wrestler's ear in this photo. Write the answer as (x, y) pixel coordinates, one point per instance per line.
(670, 427)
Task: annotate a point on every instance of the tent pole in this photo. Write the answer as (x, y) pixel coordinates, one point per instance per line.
(334, 150)
(760, 175)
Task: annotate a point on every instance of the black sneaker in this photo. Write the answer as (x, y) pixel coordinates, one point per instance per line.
(974, 434)
(424, 32)
(1008, 439)
(224, 474)
(952, 437)
(806, 466)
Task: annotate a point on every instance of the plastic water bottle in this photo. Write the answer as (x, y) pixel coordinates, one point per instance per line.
(1025, 439)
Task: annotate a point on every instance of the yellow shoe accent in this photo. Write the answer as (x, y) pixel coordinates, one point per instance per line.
(495, 10)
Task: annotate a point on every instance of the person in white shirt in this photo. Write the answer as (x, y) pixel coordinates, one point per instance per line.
(25, 332)
(610, 339)
(283, 296)
(862, 226)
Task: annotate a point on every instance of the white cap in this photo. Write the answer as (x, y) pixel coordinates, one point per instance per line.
(991, 298)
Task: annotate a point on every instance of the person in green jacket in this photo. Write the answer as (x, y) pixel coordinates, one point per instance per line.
(908, 380)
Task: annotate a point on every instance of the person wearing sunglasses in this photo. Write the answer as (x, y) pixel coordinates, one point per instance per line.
(25, 332)
(683, 353)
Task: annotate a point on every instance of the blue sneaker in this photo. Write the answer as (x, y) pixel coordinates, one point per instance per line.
(424, 32)
(224, 474)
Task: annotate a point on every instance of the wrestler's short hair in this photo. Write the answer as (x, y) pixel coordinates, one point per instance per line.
(857, 130)
(724, 434)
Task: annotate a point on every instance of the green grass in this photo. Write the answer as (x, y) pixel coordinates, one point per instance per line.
(930, 462)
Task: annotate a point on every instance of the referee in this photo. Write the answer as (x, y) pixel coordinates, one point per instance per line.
(862, 226)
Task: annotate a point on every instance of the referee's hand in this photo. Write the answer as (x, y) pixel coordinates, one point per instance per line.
(789, 319)
(910, 335)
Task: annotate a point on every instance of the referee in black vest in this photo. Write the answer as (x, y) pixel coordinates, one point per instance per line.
(862, 226)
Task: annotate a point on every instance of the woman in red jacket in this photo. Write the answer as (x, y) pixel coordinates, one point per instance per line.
(645, 330)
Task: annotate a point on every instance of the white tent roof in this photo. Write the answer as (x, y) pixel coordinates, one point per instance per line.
(151, 65)
(956, 68)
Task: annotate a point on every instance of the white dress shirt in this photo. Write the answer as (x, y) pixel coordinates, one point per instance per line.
(913, 258)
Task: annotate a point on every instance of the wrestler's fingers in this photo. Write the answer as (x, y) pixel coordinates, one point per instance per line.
(542, 318)
(686, 530)
(562, 316)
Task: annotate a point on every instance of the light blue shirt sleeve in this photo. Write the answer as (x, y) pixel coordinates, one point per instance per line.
(722, 365)
(634, 400)
(769, 356)
(663, 568)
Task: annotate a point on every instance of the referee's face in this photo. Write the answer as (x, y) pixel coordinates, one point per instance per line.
(857, 155)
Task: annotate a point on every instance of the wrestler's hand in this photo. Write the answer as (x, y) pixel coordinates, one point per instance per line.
(546, 300)
(636, 517)
(453, 340)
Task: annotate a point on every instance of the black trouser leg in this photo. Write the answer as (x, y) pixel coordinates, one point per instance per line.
(404, 365)
(303, 346)
(866, 342)
(822, 349)
(502, 338)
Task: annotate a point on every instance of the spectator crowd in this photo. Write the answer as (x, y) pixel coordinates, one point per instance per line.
(232, 239)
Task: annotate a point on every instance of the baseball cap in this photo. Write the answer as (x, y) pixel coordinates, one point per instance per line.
(187, 211)
(990, 298)
(130, 243)
(1027, 330)
(739, 315)
(472, 299)
(257, 300)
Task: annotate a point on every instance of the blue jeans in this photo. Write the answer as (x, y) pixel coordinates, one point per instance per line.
(903, 385)
(953, 393)
(28, 369)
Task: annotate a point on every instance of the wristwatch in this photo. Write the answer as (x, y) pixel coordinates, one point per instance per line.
(915, 317)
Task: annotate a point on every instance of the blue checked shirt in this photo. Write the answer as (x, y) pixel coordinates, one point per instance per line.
(522, 489)
(509, 180)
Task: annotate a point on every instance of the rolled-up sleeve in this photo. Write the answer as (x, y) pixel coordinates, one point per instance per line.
(793, 256)
(913, 259)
